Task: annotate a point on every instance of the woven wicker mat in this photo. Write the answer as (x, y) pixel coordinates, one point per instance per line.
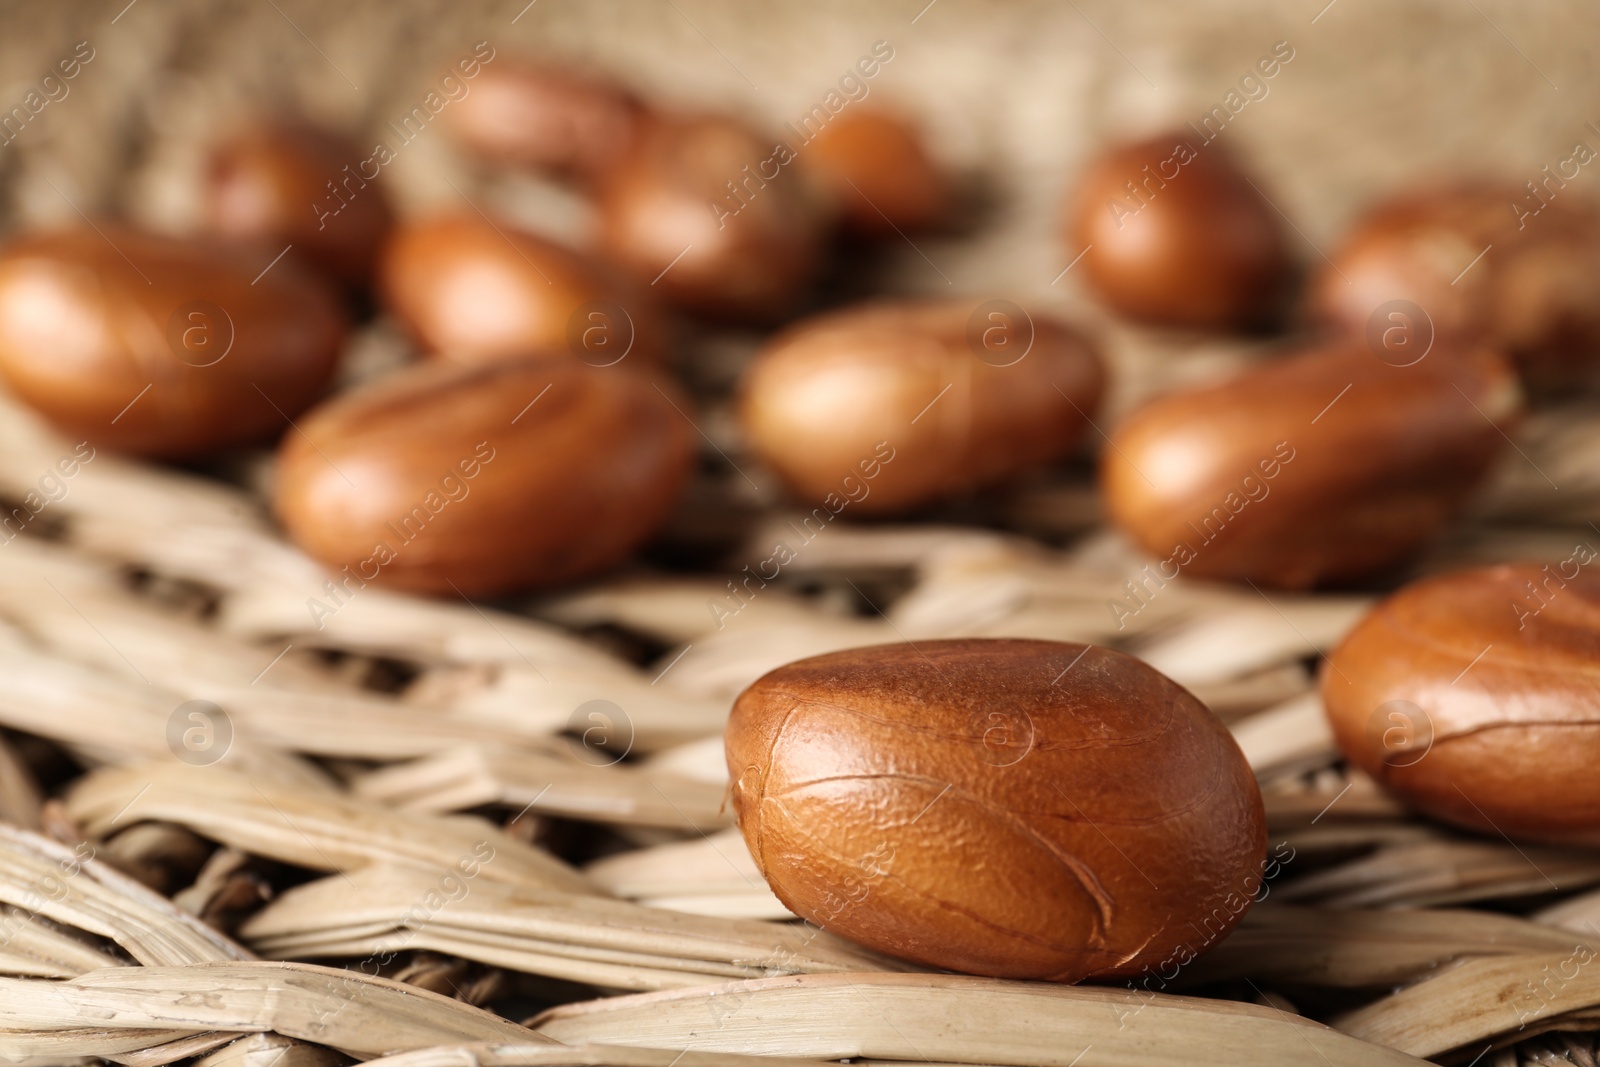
(235, 836)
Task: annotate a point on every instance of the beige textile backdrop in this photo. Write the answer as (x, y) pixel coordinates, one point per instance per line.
(1014, 93)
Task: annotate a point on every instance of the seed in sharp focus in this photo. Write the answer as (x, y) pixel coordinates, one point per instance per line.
(951, 804)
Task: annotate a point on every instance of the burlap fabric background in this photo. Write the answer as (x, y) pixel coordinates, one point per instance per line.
(1014, 94)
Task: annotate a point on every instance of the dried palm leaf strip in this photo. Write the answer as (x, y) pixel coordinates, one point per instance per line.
(736, 634)
(977, 585)
(522, 699)
(112, 489)
(913, 1017)
(554, 782)
(216, 556)
(1561, 442)
(320, 724)
(1497, 1000)
(1293, 736)
(1332, 842)
(563, 935)
(1237, 635)
(728, 661)
(1104, 591)
(174, 522)
(54, 574)
(723, 663)
(275, 1050)
(1251, 635)
(1234, 698)
(361, 727)
(1364, 949)
(1446, 871)
(71, 888)
(577, 1056)
(277, 700)
(868, 549)
(993, 601)
(712, 875)
(1299, 803)
(674, 610)
(428, 631)
(121, 1011)
(676, 971)
(37, 948)
(110, 718)
(704, 760)
(89, 617)
(20, 800)
(179, 1048)
(321, 831)
(1580, 913)
(734, 904)
(622, 972)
